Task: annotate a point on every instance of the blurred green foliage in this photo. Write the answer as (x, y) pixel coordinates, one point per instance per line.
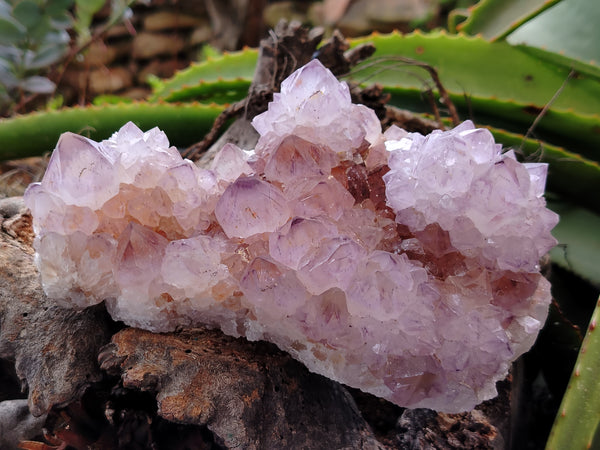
(34, 36)
(530, 75)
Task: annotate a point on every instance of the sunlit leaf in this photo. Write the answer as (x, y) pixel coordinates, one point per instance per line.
(7, 77)
(62, 22)
(577, 424)
(5, 9)
(472, 66)
(495, 19)
(11, 31)
(568, 29)
(37, 85)
(56, 8)
(28, 13)
(46, 56)
(84, 12)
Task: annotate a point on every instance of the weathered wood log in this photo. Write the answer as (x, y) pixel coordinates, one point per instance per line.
(54, 349)
(250, 395)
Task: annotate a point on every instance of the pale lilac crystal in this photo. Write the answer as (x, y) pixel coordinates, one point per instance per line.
(194, 265)
(460, 180)
(401, 264)
(272, 289)
(296, 159)
(312, 198)
(82, 178)
(333, 264)
(250, 206)
(395, 277)
(300, 237)
(315, 106)
(230, 163)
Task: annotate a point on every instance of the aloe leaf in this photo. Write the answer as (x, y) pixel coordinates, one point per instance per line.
(495, 19)
(230, 67)
(577, 232)
(221, 91)
(500, 85)
(589, 68)
(578, 132)
(468, 66)
(492, 82)
(473, 67)
(36, 133)
(569, 29)
(577, 424)
(111, 99)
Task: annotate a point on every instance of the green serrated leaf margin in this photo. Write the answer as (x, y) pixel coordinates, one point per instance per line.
(577, 424)
(35, 133)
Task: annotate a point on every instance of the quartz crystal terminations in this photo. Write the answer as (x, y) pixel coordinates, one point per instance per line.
(401, 264)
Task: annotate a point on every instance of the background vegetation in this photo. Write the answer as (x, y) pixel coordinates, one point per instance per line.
(528, 71)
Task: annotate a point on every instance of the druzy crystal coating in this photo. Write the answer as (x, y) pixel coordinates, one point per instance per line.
(401, 264)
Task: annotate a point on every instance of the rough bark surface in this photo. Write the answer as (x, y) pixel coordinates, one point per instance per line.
(53, 348)
(446, 431)
(250, 395)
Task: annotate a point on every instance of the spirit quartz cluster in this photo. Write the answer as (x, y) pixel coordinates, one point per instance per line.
(401, 264)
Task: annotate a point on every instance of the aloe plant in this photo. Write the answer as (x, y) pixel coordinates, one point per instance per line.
(543, 104)
(576, 424)
(182, 123)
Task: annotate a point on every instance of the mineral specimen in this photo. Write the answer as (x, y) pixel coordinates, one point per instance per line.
(401, 264)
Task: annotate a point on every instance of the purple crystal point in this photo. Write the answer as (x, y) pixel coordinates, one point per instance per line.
(311, 104)
(250, 206)
(401, 264)
(79, 170)
(459, 179)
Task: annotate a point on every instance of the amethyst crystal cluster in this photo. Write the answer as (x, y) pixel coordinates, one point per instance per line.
(401, 264)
